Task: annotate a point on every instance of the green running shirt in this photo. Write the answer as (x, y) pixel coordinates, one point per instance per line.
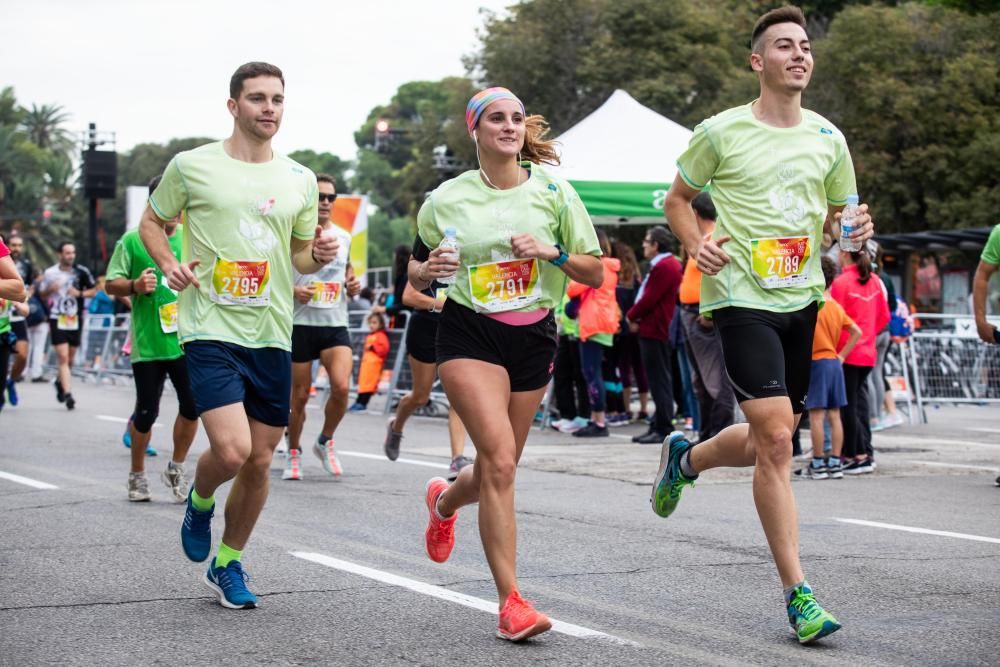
(544, 206)
(771, 187)
(240, 219)
(153, 324)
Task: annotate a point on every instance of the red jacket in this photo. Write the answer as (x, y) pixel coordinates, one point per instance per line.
(655, 308)
(598, 307)
(868, 306)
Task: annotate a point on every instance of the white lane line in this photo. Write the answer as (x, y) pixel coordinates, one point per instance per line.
(924, 531)
(27, 481)
(444, 594)
(955, 465)
(120, 420)
(982, 430)
(377, 457)
(909, 440)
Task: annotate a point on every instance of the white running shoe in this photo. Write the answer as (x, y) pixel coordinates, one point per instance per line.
(293, 465)
(173, 477)
(327, 457)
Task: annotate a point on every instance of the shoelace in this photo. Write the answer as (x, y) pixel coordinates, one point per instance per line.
(443, 530)
(142, 485)
(806, 606)
(233, 576)
(197, 520)
(519, 610)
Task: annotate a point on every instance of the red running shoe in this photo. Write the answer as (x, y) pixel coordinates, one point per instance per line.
(519, 620)
(440, 533)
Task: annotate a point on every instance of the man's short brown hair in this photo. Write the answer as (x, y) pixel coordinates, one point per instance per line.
(786, 14)
(326, 178)
(250, 71)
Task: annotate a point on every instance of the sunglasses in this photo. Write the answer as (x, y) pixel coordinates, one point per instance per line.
(330, 198)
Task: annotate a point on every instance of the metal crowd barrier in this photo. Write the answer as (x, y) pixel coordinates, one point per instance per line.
(100, 355)
(950, 364)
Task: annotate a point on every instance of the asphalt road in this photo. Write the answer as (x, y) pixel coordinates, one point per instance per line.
(87, 578)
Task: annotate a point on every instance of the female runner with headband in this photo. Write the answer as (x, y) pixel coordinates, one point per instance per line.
(521, 233)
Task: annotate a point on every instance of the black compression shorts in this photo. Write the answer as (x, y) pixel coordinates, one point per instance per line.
(768, 354)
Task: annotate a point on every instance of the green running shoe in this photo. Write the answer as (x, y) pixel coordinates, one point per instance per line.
(809, 621)
(670, 481)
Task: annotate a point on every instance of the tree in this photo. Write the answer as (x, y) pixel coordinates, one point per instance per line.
(44, 127)
(325, 163)
(924, 129)
(422, 115)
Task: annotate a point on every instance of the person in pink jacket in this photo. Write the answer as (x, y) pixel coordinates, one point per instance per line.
(863, 297)
(599, 320)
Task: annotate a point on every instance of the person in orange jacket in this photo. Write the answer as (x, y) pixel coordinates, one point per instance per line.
(599, 319)
(376, 351)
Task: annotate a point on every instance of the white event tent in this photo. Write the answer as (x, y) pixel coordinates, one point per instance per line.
(621, 160)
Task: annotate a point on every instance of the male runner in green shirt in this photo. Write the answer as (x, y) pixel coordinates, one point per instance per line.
(250, 215)
(780, 174)
(155, 355)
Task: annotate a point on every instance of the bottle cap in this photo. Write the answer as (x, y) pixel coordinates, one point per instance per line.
(851, 200)
(450, 231)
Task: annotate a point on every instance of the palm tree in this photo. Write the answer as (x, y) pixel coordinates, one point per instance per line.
(44, 126)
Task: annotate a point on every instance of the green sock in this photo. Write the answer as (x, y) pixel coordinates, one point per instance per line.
(202, 504)
(226, 555)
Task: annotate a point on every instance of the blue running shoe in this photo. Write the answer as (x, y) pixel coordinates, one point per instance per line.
(196, 532)
(12, 391)
(670, 481)
(809, 621)
(229, 583)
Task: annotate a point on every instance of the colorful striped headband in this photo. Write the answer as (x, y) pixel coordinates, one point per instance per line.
(483, 99)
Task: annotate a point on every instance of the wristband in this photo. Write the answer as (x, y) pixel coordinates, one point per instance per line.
(561, 259)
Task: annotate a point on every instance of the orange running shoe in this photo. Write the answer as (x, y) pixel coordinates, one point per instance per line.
(519, 620)
(440, 533)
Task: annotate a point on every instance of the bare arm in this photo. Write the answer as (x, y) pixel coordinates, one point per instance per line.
(419, 300)
(157, 245)
(121, 287)
(980, 285)
(11, 285)
(680, 216)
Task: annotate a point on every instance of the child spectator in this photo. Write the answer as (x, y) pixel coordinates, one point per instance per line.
(372, 361)
(826, 380)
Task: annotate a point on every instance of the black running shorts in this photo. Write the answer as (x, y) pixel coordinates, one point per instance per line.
(768, 354)
(526, 352)
(421, 335)
(309, 341)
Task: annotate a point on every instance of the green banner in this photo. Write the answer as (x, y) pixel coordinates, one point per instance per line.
(623, 200)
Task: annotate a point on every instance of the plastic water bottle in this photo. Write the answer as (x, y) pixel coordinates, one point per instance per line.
(848, 224)
(449, 243)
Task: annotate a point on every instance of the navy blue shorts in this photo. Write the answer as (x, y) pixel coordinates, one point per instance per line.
(826, 385)
(259, 378)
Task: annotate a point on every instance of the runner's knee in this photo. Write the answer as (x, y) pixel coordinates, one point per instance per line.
(774, 445)
(144, 418)
(498, 471)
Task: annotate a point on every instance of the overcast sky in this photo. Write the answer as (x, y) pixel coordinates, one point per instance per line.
(157, 70)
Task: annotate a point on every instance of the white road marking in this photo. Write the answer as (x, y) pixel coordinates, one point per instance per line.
(444, 593)
(955, 465)
(982, 430)
(27, 481)
(923, 531)
(909, 440)
(120, 420)
(377, 457)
